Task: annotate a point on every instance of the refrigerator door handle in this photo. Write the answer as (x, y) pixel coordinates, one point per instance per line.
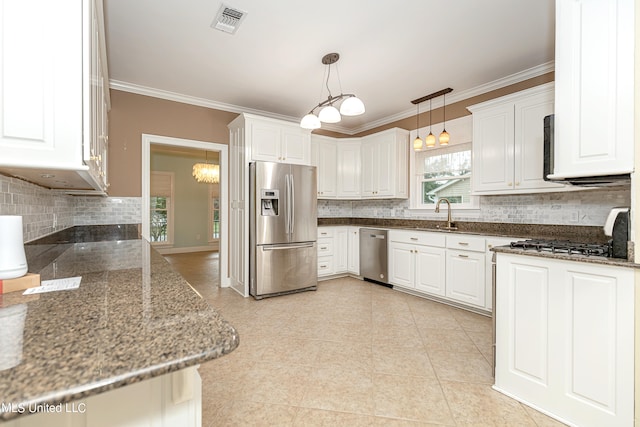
(293, 203)
(287, 204)
(285, 247)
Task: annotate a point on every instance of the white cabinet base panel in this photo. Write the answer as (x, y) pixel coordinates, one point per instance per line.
(174, 399)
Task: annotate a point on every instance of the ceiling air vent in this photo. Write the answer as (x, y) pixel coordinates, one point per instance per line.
(228, 19)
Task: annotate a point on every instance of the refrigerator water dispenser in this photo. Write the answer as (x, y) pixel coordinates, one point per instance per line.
(269, 202)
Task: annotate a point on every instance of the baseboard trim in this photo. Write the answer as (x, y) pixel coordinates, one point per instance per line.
(170, 251)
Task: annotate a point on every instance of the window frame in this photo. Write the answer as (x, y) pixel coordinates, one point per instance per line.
(214, 193)
(416, 179)
(170, 208)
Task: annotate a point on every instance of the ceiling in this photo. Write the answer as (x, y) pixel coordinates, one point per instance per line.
(390, 51)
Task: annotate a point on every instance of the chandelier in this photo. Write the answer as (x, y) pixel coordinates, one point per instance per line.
(430, 140)
(206, 173)
(350, 105)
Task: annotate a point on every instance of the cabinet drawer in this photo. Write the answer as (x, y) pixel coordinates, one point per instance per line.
(325, 232)
(325, 266)
(418, 238)
(465, 242)
(325, 247)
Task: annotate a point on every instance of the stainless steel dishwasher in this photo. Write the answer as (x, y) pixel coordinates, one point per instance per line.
(373, 255)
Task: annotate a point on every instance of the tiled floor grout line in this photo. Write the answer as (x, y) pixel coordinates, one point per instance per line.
(340, 301)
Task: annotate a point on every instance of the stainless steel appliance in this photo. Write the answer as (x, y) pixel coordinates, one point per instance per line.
(282, 229)
(564, 247)
(373, 255)
(549, 168)
(617, 227)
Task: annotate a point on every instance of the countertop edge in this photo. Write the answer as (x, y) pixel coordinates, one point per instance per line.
(92, 389)
(614, 262)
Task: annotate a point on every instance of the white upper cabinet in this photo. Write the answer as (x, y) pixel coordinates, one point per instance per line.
(55, 95)
(277, 141)
(508, 143)
(348, 164)
(373, 166)
(323, 155)
(594, 72)
(384, 164)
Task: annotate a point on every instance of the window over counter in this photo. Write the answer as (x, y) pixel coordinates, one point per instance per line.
(444, 171)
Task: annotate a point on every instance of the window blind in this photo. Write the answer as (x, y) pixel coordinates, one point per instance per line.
(161, 183)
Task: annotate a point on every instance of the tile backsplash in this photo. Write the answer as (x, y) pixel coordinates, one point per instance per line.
(588, 207)
(45, 211)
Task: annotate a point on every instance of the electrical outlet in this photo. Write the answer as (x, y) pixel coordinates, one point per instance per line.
(55, 221)
(197, 237)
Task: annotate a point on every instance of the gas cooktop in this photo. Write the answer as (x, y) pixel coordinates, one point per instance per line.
(564, 247)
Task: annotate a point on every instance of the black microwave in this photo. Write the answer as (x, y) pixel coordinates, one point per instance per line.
(548, 146)
(548, 166)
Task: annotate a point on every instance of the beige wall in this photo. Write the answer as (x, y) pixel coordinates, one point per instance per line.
(454, 111)
(132, 115)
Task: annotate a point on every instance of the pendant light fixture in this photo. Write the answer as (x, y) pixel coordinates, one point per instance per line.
(417, 143)
(206, 173)
(350, 105)
(444, 136)
(430, 140)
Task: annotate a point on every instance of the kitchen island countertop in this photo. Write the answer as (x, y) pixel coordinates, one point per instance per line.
(131, 319)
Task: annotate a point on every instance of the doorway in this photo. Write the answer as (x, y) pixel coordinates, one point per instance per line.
(222, 214)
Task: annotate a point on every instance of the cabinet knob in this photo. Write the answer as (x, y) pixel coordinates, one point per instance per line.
(509, 184)
(463, 256)
(414, 238)
(517, 184)
(463, 243)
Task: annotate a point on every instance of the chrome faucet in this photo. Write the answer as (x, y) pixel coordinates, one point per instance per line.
(437, 210)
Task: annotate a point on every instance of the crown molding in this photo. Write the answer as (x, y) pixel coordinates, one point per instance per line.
(521, 76)
(454, 97)
(192, 100)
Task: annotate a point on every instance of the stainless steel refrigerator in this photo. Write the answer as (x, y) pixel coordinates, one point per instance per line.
(283, 229)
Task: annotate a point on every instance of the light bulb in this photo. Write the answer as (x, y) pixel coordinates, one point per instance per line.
(444, 137)
(310, 121)
(352, 106)
(329, 114)
(430, 140)
(417, 144)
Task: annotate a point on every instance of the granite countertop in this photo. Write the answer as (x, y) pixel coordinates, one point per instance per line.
(577, 233)
(619, 262)
(132, 318)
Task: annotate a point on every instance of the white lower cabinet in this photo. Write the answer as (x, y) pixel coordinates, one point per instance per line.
(565, 338)
(453, 267)
(353, 250)
(173, 399)
(465, 277)
(465, 269)
(338, 250)
(417, 261)
(325, 251)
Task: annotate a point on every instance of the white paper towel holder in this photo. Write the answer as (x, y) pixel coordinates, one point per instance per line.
(13, 262)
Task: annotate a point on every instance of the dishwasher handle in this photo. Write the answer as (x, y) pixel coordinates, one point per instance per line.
(377, 236)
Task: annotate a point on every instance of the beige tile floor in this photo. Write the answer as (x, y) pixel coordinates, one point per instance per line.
(351, 353)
